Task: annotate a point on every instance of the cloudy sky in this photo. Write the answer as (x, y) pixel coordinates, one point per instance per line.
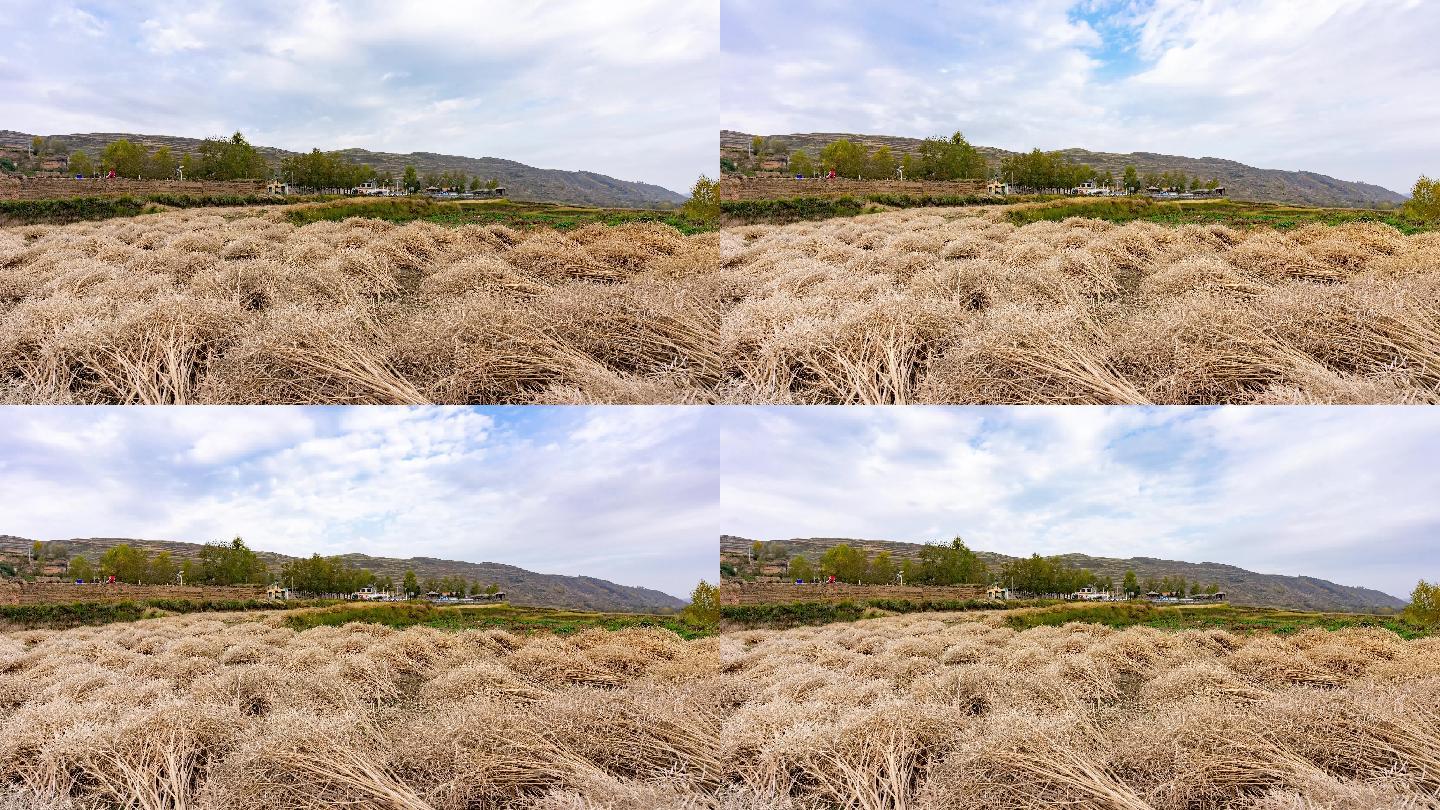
(1340, 87)
(624, 494)
(1346, 494)
(628, 89)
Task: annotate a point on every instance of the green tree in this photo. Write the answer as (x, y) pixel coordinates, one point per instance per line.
(757, 551)
(38, 145)
(704, 608)
(230, 563)
(881, 165)
(125, 158)
(80, 568)
(911, 167)
(757, 146)
(1131, 586)
(162, 569)
(411, 180)
(411, 585)
(1132, 180)
(161, 164)
(800, 163)
(951, 159)
(845, 562)
(124, 562)
(80, 163)
(703, 207)
(492, 589)
(325, 575)
(1424, 608)
(801, 569)
(882, 570)
(846, 157)
(952, 564)
(231, 159)
(1424, 202)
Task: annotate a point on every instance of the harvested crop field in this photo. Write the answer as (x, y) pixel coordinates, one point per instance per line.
(235, 307)
(954, 306)
(942, 712)
(199, 712)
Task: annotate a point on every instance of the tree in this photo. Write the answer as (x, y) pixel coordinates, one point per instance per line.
(124, 562)
(326, 575)
(80, 569)
(882, 570)
(1424, 202)
(231, 159)
(757, 146)
(845, 157)
(845, 562)
(1424, 608)
(162, 569)
(757, 551)
(125, 158)
(411, 180)
(411, 585)
(704, 608)
(950, 159)
(801, 164)
(161, 165)
(800, 569)
(952, 564)
(475, 183)
(80, 163)
(230, 563)
(1132, 180)
(703, 207)
(881, 165)
(910, 167)
(37, 145)
(492, 589)
(1130, 585)
(322, 170)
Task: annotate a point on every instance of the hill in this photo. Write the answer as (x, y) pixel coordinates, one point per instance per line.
(1241, 181)
(522, 587)
(522, 182)
(1243, 587)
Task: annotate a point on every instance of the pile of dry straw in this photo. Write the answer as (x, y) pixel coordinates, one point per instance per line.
(938, 712)
(924, 306)
(200, 307)
(200, 713)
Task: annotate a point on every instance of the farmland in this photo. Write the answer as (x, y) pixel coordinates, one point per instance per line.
(965, 306)
(229, 710)
(952, 710)
(225, 306)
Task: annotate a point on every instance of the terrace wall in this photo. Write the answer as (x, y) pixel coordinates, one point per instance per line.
(45, 593)
(734, 187)
(769, 593)
(53, 188)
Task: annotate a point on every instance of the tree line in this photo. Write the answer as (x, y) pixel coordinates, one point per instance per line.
(217, 563)
(230, 158)
(936, 564)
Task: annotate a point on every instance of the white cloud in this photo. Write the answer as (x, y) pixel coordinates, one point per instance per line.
(1345, 494)
(1325, 86)
(625, 494)
(626, 89)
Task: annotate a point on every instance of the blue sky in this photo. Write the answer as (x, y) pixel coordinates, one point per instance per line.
(627, 89)
(1339, 87)
(624, 494)
(1345, 493)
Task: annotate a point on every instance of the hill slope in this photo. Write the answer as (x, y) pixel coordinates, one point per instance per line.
(521, 181)
(522, 587)
(1243, 587)
(1241, 181)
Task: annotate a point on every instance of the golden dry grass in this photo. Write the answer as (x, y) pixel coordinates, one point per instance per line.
(955, 307)
(201, 713)
(944, 712)
(196, 306)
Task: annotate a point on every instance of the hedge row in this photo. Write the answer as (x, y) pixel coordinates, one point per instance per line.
(75, 614)
(792, 614)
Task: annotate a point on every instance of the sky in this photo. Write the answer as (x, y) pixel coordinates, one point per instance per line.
(1340, 87)
(1346, 494)
(628, 89)
(621, 493)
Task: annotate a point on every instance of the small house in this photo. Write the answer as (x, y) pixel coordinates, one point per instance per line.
(277, 187)
(277, 592)
(997, 594)
(997, 187)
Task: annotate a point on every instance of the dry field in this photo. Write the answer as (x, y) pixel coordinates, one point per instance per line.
(240, 307)
(943, 712)
(953, 306)
(202, 713)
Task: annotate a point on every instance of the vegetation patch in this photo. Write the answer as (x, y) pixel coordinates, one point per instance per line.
(509, 213)
(511, 618)
(795, 614)
(1231, 213)
(76, 614)
(1231, 618)
(79, 209)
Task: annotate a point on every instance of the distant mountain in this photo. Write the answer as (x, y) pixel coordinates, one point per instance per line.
(521, 182)
(1242, 587)
(1242, 182)
(521, 586)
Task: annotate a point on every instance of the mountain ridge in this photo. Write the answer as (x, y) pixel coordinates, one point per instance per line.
(1243, 586)
(521, 585)
(522, 181)
(1241, 180)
